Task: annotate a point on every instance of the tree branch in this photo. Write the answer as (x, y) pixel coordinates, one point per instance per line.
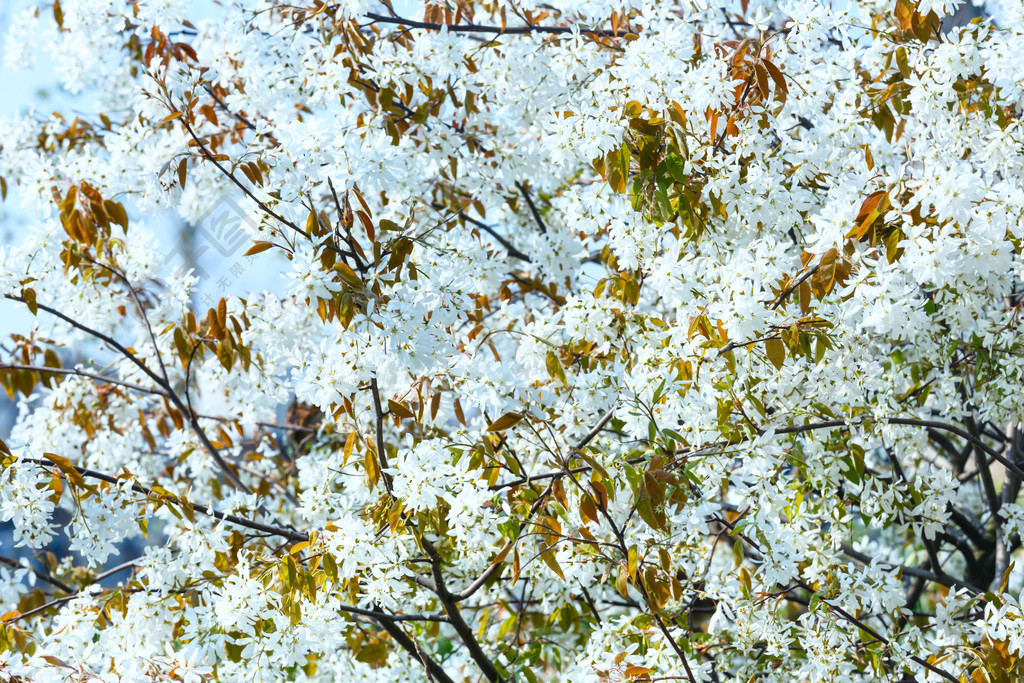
(482, 579)
(231, 477)
(533, 208)
(498, 30)
(512, 251)
(451, 608)
(382, 458)
(409, 645)
(202, 509)
(81, 373)
(248, 193)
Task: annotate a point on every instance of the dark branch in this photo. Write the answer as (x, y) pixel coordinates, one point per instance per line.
(451, 608)
(382, 458)
(202, 509)
(512, 251)
(533, 208)
(496, 30)
(434, 670)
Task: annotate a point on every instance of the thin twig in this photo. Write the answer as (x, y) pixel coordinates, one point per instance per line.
(202, 509)
(82, 373)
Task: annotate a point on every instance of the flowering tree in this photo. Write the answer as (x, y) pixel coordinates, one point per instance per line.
(616, 341)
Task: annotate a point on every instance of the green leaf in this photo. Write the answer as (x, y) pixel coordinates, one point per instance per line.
(592, 461)
(646, 510)
(330, 567)
(675, 167)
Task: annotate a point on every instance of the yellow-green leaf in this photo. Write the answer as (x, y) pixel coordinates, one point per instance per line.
(372, 468)
(555, 368)
(902, 63)
(347, 274)
(776, 352)
(29, 295)
(549, 559)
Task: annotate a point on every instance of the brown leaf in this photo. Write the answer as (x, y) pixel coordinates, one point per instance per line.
(259, 247)
(399, 409)
(762, 79)
(504, 422)
(776, 74)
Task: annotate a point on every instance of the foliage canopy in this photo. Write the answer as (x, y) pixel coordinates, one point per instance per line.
(607, 341)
